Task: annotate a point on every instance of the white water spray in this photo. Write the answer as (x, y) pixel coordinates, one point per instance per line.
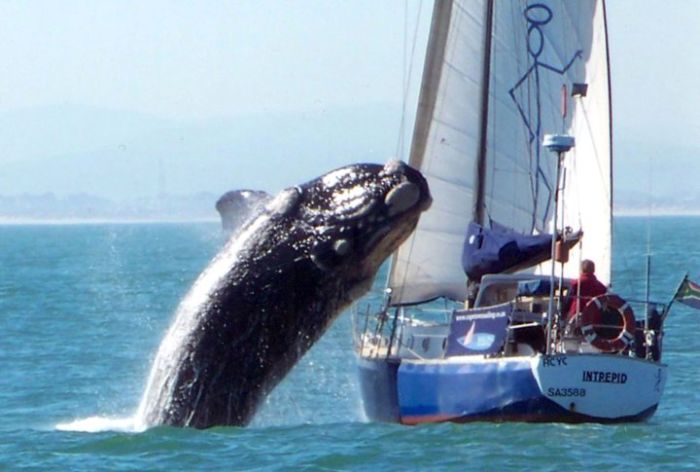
(159, 387)
(98, 424)
(160, 384)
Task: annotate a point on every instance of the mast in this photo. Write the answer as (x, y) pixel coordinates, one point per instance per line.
(479, 205)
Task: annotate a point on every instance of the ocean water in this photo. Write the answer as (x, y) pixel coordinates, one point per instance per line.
(84, 307)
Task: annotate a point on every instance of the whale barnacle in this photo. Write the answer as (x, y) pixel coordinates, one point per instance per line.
(393, 167)
(285, 202)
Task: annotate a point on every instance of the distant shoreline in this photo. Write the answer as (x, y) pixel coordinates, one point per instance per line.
(28, 221)
(655, 214)
(5, 221)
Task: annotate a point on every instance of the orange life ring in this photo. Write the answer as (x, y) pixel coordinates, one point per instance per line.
(592, 316)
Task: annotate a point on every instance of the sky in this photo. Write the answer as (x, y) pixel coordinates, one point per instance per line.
(122, 98)
(193, 60)
(655, 99)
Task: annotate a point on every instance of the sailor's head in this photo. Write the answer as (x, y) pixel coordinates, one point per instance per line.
(587, 266)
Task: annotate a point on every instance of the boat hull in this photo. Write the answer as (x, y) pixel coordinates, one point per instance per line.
(563, 388)
(379, 393)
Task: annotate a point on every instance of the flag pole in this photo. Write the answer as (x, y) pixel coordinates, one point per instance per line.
(668, 307)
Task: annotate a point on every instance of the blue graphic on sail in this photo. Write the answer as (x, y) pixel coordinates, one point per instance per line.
(537, 16)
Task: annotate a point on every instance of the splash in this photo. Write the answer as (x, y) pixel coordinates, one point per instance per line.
(98, 424)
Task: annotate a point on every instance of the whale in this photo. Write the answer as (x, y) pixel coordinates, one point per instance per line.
(275, 288)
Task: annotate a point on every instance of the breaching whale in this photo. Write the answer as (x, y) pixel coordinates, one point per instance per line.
(275, 288)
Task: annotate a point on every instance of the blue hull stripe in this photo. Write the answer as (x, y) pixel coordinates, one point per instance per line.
(414, 393)
(457, 390)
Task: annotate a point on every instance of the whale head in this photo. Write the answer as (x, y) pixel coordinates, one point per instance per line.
(355, 217)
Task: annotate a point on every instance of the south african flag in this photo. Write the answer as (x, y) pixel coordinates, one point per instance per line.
(689, 294)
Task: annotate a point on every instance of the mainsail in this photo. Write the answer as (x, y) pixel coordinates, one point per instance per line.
(497, 77)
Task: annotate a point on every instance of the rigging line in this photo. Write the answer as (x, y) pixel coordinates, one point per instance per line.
(649, 205)
(400, 140)
(402, 137)
(407, 74)
(575, 188)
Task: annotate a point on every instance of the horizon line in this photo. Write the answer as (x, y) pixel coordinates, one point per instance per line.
(69, 221)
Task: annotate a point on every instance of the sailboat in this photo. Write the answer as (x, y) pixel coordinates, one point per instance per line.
(514, 134)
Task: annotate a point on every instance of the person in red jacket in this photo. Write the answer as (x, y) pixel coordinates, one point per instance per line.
(585, 288)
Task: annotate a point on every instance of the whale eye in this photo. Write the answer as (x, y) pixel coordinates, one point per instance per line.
(322, 255)
(327, 255)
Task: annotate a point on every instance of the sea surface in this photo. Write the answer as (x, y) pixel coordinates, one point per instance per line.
(84, 307)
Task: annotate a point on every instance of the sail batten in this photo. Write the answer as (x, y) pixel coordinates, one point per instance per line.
(493, 85)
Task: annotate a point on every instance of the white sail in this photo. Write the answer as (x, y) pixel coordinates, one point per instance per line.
(445, 148)
(493, 85)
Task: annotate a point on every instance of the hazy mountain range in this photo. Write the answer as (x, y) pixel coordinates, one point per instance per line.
(85, 163)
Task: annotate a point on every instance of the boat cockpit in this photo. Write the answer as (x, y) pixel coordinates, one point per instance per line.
(510, 317)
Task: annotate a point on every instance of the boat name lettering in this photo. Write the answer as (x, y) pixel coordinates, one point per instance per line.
(566, 392)
(554, 361)
(485, 316)
(604, 377)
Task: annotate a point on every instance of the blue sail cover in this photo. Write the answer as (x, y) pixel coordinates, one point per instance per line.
(535, 288)
(499, 249)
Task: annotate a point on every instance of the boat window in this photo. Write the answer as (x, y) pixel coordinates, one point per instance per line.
(498, 293)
